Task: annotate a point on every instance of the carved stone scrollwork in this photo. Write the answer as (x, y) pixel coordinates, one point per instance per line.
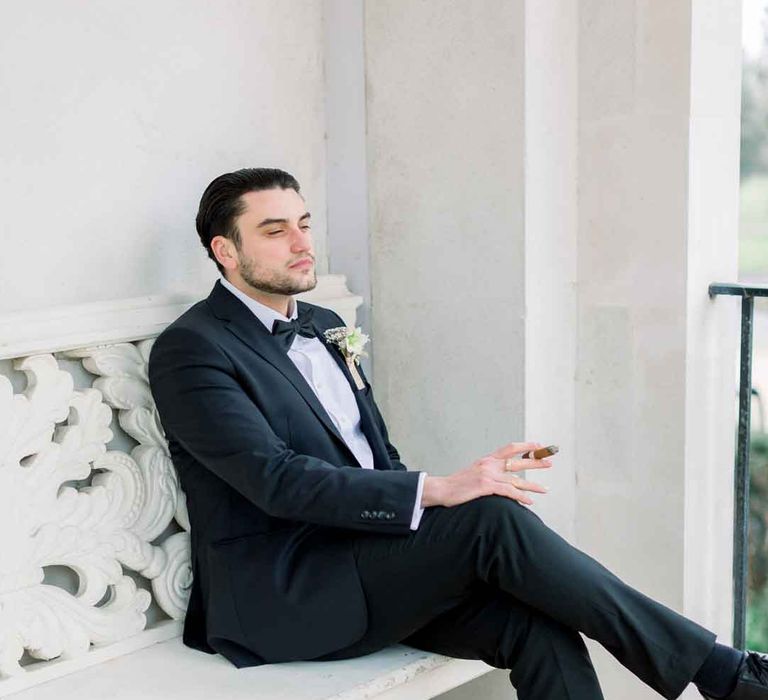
(123, 381)
(171, 587)
(43, 522)
(52, 434)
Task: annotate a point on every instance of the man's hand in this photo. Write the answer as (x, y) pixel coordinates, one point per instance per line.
(486, 477)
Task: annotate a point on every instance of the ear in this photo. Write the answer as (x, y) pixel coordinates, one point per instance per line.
(225, 252)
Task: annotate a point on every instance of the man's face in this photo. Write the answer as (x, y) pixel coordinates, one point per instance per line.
(276, 255)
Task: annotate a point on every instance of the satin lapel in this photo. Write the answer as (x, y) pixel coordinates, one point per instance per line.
(367, 421)
(241, 322)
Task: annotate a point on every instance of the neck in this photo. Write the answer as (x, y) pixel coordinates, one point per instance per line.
(277, 302)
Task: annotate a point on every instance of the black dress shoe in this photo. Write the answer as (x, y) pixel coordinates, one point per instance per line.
(752, 679)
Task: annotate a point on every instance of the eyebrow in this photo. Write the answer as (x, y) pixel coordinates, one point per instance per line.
(269, 222)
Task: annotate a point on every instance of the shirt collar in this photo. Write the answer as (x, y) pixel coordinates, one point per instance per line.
(266, 315)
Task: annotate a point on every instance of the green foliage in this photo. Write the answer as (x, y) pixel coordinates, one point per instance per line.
(753, 226)
(753, 217)
(757, 592)
(754, 109)
(757, 616)
(754, 119)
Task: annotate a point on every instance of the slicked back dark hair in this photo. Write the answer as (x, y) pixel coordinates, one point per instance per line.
(222, 203)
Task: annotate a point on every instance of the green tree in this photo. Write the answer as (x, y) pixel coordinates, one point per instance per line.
(754, 109)
(754, 117)
(757, 590)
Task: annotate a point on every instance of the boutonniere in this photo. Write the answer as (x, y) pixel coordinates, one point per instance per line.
(351, 342)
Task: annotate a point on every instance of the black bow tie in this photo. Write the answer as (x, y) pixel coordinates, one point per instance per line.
(285, 331)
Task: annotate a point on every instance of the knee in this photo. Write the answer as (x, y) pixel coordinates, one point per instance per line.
(488, 518)
(495, 509)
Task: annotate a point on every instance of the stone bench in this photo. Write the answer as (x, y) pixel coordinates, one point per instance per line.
(94, 545)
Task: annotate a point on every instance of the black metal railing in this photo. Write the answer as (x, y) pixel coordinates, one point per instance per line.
(741, 476)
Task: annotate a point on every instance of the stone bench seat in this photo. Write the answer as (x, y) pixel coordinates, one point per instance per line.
(171, 671)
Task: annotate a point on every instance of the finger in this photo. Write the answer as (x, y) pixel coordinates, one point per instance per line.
(519, 465)
(523, 485)
(535, 463)
(509, 491)
(515, 448)
(519, 496)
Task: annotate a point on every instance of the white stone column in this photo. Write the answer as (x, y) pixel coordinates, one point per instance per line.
(712, 326)
(658, 214)
(445, 154)
(551, 147)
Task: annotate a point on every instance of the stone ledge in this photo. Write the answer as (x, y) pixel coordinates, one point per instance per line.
(169, 670)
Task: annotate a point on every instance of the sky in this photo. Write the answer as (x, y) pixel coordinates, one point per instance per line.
(752, 29)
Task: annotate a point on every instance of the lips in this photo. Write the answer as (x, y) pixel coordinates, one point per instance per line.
(306, 262)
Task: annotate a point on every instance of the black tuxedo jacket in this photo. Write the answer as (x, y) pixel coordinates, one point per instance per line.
(274, 493)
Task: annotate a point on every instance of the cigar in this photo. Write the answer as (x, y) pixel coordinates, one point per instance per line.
(542, 452)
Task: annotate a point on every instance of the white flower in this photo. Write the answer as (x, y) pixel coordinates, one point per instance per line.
(355, 341)
(349, 340)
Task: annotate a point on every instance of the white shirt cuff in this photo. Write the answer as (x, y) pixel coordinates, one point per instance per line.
(418, 511)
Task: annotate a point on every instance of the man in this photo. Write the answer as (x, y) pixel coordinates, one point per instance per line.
(311, 539)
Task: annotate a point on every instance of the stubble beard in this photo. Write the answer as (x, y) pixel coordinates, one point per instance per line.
(275, 282)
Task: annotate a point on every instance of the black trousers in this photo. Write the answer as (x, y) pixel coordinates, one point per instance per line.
(489, 580)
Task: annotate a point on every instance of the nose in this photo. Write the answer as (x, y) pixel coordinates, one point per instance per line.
(302, 240)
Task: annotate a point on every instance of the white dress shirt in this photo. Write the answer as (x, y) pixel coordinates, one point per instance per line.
(330, 385)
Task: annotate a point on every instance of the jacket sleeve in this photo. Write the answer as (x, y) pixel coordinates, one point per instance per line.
(203, 407)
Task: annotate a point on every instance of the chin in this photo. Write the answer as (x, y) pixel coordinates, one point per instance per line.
(310, 283)
(303, 285)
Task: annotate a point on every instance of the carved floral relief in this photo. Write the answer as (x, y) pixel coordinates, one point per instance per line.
(52, 435)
